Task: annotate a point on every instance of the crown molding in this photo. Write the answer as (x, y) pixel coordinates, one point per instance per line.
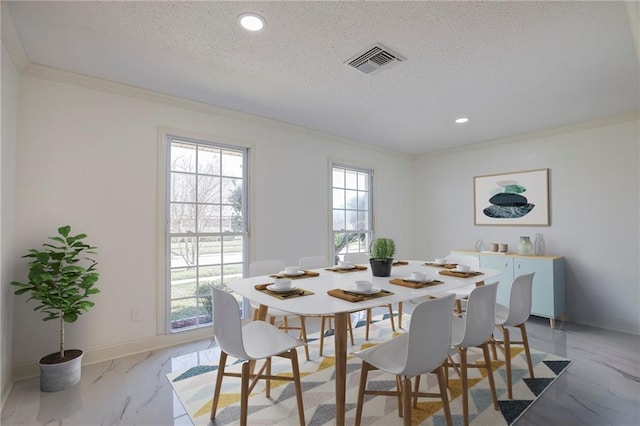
(11, 40)
(94, 83)
(592, 124)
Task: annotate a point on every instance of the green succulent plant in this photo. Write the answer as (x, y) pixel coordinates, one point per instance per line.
(382, 248)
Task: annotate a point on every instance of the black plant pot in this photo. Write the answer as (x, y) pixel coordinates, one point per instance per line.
(381, 267)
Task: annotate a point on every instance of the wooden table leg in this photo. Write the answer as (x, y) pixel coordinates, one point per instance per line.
(340, 336)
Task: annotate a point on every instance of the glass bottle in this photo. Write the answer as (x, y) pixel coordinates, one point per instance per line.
(525, 246)
(539, 245)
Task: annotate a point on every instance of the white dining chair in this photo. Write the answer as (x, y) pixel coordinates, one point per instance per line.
(422, 350)
(357, 258)
(276, 316)
(313, 262)
(515, 315)
(474, 329)
(257, 340)
(462, 294)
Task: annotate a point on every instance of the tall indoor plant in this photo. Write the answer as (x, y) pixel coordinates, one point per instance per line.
(61, 280)
(381, 251)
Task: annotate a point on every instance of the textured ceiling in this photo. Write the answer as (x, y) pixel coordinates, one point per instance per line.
(513, 67)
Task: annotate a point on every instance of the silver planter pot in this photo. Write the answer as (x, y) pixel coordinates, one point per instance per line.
(62, 375)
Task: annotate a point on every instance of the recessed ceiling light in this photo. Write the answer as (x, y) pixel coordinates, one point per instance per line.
(251, 21)
(462, 120)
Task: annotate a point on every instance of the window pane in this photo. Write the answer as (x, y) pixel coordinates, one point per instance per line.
(209, 275)
(363, 200)
(338, 177)
(208, 160)
(183, 157)
(231, 163)
(352, 220)
(352, 199)
(351, 179)
(338, 220)
(209, 251)
(208, 218)
(183, 282)
(338, 198)
(182, 218)
(183, 313)
(205, 308)
(182, 187)
(208, 189)
(363, 181)
(232, 191)
(230, 219)
(183, 252)
(363, 222)
(232, 249)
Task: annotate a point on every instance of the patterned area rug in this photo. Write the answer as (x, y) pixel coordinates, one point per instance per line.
(194, 388)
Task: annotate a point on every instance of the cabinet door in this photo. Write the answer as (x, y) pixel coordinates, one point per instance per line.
(542, 293)
(505, 265)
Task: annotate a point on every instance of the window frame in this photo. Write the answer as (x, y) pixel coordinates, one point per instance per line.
(370, 205)
(167, 138)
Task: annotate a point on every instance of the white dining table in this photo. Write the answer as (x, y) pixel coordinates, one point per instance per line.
(321, 303)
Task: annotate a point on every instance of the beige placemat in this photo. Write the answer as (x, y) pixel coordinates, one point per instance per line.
(414, 284)
(307, 274)
(298, 292)
(400, 263)
(460, 274)
(356, 297)
(356, 268)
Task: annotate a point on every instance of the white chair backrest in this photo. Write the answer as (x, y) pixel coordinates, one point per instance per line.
(357, 258)
(429, 335)
(480, 318)
(227, 325)
(520, 300)
(313, 262)
(472, 261)
(265, 267)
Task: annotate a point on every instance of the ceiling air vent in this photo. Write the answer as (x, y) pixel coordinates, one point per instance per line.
(374, 59)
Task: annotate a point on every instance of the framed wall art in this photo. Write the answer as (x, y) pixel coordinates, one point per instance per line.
(518, 198)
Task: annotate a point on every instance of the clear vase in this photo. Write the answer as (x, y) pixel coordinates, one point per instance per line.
(539, 245)
(525, 246)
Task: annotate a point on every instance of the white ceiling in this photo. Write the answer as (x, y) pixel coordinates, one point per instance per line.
(513, 67)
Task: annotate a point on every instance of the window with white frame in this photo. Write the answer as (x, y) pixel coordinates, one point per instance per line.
(352, 209)
(206, 226)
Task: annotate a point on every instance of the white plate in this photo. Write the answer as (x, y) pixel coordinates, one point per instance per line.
(272, 287)
(297, 274)
(415, 281)
(436, 263)
(345, 267)
(373, 290)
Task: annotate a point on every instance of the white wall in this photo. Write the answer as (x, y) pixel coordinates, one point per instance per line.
(89, 159)
(7, 261)
(594, 192)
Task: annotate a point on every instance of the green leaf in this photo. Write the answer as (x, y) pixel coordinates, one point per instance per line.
(70, 317)
(64, 231)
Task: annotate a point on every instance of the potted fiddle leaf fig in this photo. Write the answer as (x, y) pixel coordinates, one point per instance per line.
(61, 280)
(381, 251)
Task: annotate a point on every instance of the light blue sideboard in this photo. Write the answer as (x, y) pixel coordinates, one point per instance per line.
(548, 294)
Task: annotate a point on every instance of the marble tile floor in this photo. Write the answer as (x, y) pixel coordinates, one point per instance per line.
(601, 387)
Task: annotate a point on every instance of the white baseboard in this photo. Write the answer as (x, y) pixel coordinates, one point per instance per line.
(30, 369)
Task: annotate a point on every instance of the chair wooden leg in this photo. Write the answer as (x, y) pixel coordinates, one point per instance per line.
(458, 307)
(406, 394)
(399, 386)
(507, 359)
(492, 385)
(368, 322)
(303, 336)
(361, 390)
(244, 394)
(416, 389)
(525, 342)
(492, 340)
(216, 392)
(462, 352)
(393, 327)
(267, 385)
(400, 315)
(350, 328)
(296, 381)
(442, 383)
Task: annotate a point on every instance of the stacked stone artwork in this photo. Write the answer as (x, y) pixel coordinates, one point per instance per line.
(507, 203)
